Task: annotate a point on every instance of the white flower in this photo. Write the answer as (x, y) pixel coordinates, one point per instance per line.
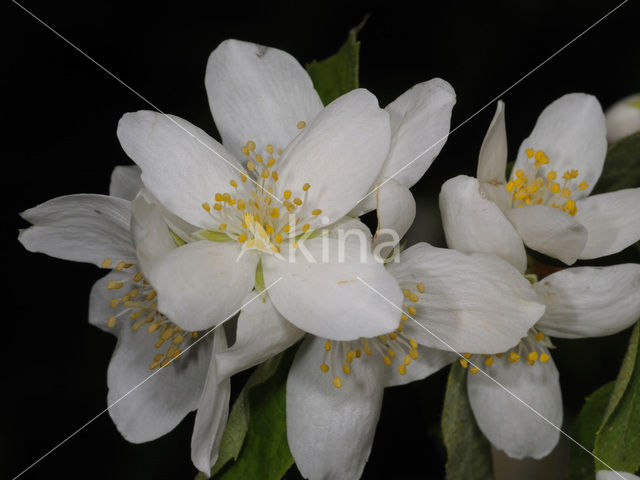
(623, 118)
(96, 229)
(580, 302)
(545, 203)
(334, 388)
(301, 167)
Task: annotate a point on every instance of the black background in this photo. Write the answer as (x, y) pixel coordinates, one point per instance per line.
(59, 138)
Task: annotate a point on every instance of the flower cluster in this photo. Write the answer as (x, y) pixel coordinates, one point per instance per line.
(263, 229)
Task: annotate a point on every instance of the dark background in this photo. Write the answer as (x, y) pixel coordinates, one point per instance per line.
(60, 139)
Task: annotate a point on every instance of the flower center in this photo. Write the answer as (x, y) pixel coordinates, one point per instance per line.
(533, 187)
(139, 307)
(394, 347)
(531, 348)
(251, 212)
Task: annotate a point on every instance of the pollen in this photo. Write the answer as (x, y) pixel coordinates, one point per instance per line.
(301, 125)
(106, 263)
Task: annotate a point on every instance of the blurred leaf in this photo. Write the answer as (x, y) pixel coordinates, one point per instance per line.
(256, 434)
(622, 166)
(468, 451)
(338, 74)
(618, 439)
(584, 430)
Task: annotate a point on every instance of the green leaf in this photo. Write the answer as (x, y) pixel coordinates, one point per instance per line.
(622, 166)
(212, 236)
(256, 435)
(618, 439)
(338, 74)
(468, 451)
(584, 430)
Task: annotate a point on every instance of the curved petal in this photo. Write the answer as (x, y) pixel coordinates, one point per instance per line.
(492, 161)
(474, 224)
(396, 211)
(623, 118)
(83, 228)
(322, 293)
(125, 182)
(258, 93)
(100, 298)
(420, 120)
(429, 361)
(181, 165)
(262, 333)
(474, 303)
(145, 407)
(572, 132)
(509, 424)
(150, 233)
(339, 154)
(330, 430)
(549, 231)
(590, 301)
(612, 221)
(202, 284)
(213, 410)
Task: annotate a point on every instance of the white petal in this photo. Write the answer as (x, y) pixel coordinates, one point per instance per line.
(508, 424)
(492, 161)
(474, 224)
(474, 303)
(623, 118)
(572, 132)
(330, 430)
(213, 410)
(611, 475)
(202, 284)
(396, 210)
(612, 221)
(590, 301)
(323, 296)
(150, 233)
(350, 229)
(339, 154)
(429, 361)
(146, 407)
(125, 182)
(100, 297)
(82, 228)
(550, 231)
(262, 333)
(181, 165)
(420, 120)
(258, 93)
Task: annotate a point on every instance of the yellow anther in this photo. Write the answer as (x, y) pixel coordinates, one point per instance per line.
(421, 288)
(412, 310)
(159, 343)
(297, 201)
(337, 382)
(404, 317)
(251, 166)
(206, 207)
(274, 175)
(324, 368)
(152, 328)
(245, 150)
(111, 322)
(413, 297)
(114, 303)
(269, 148)
(301, 125)
(539, 336)
(222, 227)
(583, 185)
(400, 328)
(346, 369)
(327, 345)
(121, 266)
(251, 145)
(275, 212)
(358, 353)
(539, 155)
(264, 173)
(286, 228)
(393, 335)
(294, 244)
(413, 354)
(413, 343)
(529, 152)
(243, 177)
(113, 285)
(402, 370)
(464, 362)
(532, 357)
(167, 334)
(194, 334)
(555, 187)
(233, 183)
(391, 353)
(387, 360)
(278, 238)
(467, 355)
(544, 358)
(510, 186)
(566, 193)
(287, 194)
(513, 357)
(271, 162)
(519, 174)
(305, 227)
(217, 207)
(154, 365)
(165, 362)
(474, 370)
(489, 361)
(178, 339)
(306, 187)
(242, 238)
(268, 228)
(106, 263)
(552, 175)
(279, 151)
(316, 211)
(407, 360)
(406, 292)
(137, 277)
(275, 248)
